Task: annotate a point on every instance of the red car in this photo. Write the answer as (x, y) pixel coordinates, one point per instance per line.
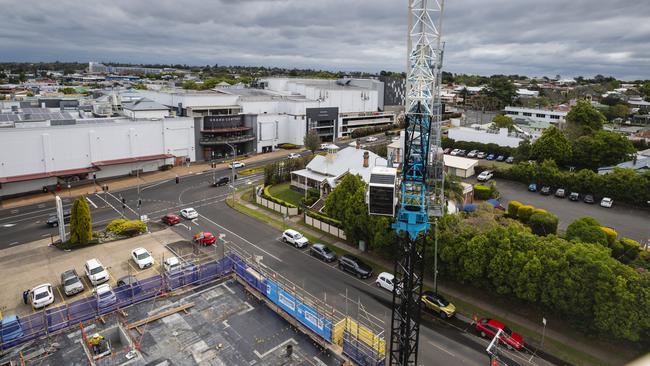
(171, 219)
(205, 238)
(488, 328)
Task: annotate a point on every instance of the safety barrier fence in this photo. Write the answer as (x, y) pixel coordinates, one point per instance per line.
(358, 342)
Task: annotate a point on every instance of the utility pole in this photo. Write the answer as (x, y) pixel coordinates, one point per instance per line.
(232, 168)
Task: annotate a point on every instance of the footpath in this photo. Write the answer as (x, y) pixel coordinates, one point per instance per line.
(121, 183)
(557, 342)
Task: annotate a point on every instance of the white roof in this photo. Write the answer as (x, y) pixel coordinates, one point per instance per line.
(349, 159)
(459, 162)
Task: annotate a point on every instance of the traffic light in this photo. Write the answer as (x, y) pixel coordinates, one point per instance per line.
(178, 179)
(139, 202)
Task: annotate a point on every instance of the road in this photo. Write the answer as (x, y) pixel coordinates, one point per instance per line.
(441, 342)
(629, 222)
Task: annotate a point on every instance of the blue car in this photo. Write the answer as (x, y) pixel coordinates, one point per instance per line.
(490, 157)
(10, 329)
(532, 187)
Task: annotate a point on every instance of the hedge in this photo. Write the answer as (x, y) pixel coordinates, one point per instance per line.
(543, 223)
(612, 235)
(482, 192)
(288, 146)
(513, 207)
(126, 227)
(539, 211)
(365, 131)
(266, 194)
(524, 213)
(325, 219)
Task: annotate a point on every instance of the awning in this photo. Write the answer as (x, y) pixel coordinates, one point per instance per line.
(226, 129)
(132, 160)
(57, 173)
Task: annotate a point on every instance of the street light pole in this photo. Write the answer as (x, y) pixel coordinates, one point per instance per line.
(232, 168)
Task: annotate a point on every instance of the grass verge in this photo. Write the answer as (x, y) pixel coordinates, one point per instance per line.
(284, 192)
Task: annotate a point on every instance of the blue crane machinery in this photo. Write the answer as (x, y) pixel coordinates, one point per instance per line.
(419, 197)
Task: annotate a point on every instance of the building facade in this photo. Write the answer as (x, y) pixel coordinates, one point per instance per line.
(540, 115)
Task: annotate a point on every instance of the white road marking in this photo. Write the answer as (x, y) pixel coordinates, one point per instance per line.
(8, 225)
(41, 205)
(319, 362)
(14, 211)
(250, 308)
(111, 206)
(261, 356)
(246, 241)
(442, 349)
(45, 235)
(225, 324)
(14, 243)
(91, 202)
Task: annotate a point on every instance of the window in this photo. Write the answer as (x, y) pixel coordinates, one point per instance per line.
(527, 114)
(555, 116)
(540, 115)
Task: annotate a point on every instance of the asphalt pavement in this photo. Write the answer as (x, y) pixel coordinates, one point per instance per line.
(630, 222)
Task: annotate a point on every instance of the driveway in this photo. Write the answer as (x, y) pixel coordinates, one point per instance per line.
(629, 222)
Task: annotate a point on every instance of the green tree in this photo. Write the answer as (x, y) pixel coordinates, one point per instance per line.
(311, 140)
(346, 203)
(552, 145)
(503, 121)
(543, 224)
(603, 148)
(67, 90)
(523, 151)
(621, 111)
(81, 229)
(190, 85)
(587, 230)
(583, 119)
(502, 89)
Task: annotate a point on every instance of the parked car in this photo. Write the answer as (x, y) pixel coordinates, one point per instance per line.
(438, 304)
(490, 157)
(386, 281)
(454, 152)
(105, 295)
(488, 328)
(472, 154)
(371, 139)
(446, 151)
(560, 193)
(480, 155)
(129, 285)
(71, 283)
(142, 258)
(510, 160)
(204, 238)
(221, 182)
(485, 176)
(10, 329)
(170, 219)
(42, 296)
(574, 196)
(294, 238)
(532, 187)
(589, 198)
(606, 202)
(461, 153)
(501, 158)
(322, 252)
(324, 145)
(189, 213)
(293, 156)
(171, 265)
(355, 266)
(96, 272)
(546, 190)
(53, 220)
(236, 165)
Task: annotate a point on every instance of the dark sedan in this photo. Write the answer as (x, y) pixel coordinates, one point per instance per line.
(322, 252)
(589, 198)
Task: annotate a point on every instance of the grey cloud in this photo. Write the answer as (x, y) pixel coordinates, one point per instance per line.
(579, 37)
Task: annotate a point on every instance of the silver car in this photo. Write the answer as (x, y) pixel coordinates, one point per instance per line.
(71, 282)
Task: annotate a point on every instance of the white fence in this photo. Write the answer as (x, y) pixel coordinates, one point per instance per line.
(323, 226)
(291, 211)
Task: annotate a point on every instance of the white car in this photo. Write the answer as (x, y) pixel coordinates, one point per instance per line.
(294, 238)
(371, 139)
(485, 176)
(293, 156)
(42, 296)
(454, 152)
(236, 165)
(386, 281)
(172, 264)
(142, 258)
(105, 295)
(324, 146)
(189, 213)
(606, 202)
(96, 272)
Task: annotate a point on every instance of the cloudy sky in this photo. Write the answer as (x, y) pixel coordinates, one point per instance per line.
(532, 37)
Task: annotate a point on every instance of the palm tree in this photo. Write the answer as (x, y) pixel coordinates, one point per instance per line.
(453, 189)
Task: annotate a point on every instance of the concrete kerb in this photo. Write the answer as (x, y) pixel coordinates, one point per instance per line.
(122, 183)
(550, 334)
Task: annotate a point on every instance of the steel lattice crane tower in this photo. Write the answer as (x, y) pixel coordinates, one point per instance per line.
(421, 195)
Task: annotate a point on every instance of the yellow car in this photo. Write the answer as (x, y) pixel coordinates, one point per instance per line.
(438, 304)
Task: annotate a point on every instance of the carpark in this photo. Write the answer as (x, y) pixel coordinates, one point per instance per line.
(26, 266)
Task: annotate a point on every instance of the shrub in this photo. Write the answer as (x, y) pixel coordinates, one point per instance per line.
(365, 131)
(481, 192)
(587, 230)
(81, 226)
(513, 207)
(543, 223)
(288, 146)
(126, 227)
(628, 250)
(612, 235)
(524, 213)
(539, 211)
(116, 226)
(326, 219)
